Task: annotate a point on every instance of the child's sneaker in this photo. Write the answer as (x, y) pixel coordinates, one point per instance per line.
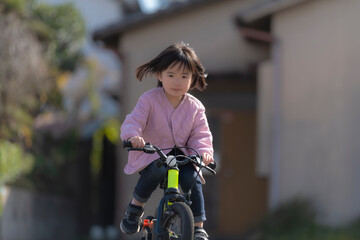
(200, 234)
(132, 219)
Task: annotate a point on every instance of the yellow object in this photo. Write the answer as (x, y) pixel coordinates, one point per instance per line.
(173, 178)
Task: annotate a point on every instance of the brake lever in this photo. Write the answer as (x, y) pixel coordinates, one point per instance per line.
(211, 167)
(148, 148)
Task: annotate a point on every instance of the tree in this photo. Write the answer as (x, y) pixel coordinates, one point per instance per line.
(38, 43)
(62, 30)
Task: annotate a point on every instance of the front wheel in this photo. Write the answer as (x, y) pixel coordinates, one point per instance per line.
(180, 222)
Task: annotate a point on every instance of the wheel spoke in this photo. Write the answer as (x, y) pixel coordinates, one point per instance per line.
(174, 228)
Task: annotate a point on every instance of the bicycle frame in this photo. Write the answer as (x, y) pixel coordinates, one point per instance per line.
(173, 178)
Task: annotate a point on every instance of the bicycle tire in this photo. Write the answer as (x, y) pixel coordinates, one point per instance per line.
(180, 223)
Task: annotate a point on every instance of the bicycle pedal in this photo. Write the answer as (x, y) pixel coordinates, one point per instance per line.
(147, 223)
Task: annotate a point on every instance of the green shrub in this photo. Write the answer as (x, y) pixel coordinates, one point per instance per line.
(13, 162)
(296, 220)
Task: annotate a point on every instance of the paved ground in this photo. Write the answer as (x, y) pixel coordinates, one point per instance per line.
(138, 236)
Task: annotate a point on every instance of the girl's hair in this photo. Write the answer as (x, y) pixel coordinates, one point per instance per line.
(175, 53)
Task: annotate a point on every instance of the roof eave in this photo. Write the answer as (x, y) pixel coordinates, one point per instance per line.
(264, 8)
(113, 31)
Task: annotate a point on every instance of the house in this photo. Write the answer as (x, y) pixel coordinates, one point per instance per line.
(237, 197)
(312, 85)
(281, 101)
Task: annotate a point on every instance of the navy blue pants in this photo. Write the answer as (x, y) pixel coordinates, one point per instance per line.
(152, 175)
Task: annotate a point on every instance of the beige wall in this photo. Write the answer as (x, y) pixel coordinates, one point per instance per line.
(210, 30)
(320, 56)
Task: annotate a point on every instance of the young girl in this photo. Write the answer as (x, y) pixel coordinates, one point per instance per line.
(168, 116)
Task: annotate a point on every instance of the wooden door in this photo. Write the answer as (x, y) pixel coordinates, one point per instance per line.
(242, 195)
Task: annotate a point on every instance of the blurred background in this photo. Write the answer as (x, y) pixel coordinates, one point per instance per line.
(282, 104)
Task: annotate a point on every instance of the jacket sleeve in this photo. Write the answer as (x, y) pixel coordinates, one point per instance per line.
(135, 122)
(200, 136)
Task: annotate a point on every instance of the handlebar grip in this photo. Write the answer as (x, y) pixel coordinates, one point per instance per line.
(127, 144)
(212, 165)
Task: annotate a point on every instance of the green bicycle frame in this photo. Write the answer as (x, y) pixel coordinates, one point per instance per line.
(173, 178)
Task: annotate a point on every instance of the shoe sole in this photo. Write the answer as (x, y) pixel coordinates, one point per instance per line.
(123, 229)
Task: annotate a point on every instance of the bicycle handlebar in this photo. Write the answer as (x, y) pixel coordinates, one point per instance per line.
(150, 149)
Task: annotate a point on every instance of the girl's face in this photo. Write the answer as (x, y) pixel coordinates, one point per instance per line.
(176, 81)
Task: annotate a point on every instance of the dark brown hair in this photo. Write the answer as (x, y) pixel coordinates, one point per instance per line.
(175, 53)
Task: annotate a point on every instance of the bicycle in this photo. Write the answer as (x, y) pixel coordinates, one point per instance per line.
(173, 217)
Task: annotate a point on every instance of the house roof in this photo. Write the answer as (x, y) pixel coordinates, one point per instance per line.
(263, 8)
(110, 34)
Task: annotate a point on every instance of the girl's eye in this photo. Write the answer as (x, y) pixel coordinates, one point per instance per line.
(170, 75)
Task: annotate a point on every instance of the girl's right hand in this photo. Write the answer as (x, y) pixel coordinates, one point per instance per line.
(137, 142)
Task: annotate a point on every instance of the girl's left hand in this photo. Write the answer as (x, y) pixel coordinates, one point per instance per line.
(207, 158)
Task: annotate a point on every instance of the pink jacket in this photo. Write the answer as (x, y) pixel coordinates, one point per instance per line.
(156, 120)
